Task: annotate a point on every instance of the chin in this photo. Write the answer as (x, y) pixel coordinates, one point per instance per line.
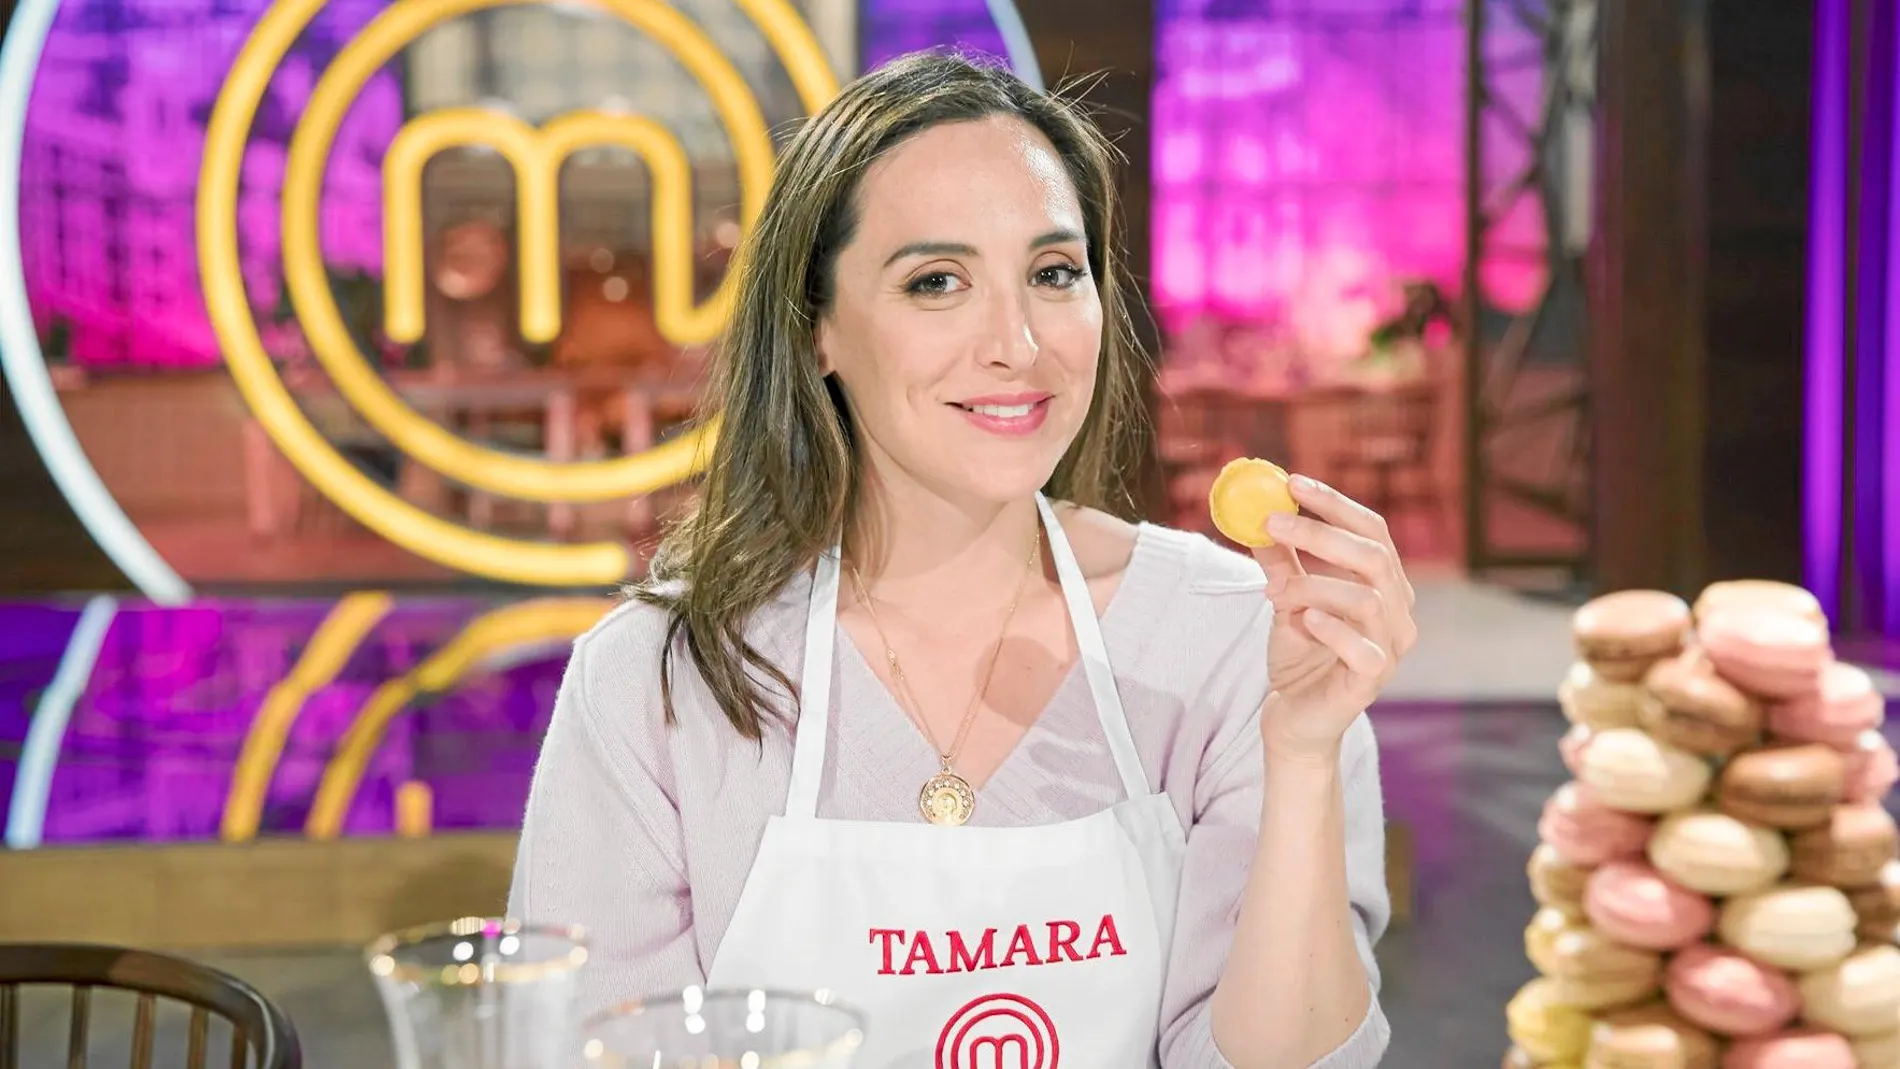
(1003, 482)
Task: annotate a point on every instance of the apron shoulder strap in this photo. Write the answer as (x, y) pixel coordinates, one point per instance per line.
(813, 725)
(1093, 650)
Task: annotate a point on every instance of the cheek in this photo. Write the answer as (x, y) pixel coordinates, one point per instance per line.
(1074, 338)
(1081, 388)
(888, 366)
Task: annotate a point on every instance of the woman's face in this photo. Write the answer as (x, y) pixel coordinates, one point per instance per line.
(965, 327)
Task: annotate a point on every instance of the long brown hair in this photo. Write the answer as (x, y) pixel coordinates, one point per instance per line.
(782, 475)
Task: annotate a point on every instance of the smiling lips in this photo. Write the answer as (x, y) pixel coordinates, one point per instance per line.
(1009, 415)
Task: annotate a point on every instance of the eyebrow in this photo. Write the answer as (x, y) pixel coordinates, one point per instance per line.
(1059, 236)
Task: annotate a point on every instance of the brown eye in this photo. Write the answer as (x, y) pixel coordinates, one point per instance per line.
(1060, 276)
(934, 284)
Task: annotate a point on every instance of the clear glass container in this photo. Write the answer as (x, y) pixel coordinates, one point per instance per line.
(726, 1030)
(482, 993)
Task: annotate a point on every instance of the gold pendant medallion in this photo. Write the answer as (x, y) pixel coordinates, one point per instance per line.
(947, 800)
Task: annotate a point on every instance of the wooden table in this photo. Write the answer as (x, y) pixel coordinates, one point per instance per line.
(469, 404)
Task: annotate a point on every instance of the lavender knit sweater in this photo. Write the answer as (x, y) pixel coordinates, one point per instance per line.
(644, 834)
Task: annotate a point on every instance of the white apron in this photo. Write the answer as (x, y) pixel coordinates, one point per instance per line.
(968, 947)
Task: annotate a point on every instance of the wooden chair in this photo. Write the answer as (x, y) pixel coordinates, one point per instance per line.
(258, 1028)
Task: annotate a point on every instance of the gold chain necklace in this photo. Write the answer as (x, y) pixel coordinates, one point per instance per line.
(947, 799)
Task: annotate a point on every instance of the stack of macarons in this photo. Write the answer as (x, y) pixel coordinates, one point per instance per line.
(1719, 882)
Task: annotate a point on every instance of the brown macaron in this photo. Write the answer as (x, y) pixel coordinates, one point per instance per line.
(1588, 698)
(1782, 785)
(1650, 1036)
(1685, 703)
(1556, 881)
(1849, 850)
(1592, 972)
(1623, 633)
(1878, 904)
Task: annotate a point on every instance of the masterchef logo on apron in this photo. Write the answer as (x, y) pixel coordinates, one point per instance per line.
(999, 1032)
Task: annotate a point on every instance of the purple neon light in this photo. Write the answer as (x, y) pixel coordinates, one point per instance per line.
(889, 28)
(1872, 215)
(1888, 428)
(32, 640)
(148, 753)
(1826, 340)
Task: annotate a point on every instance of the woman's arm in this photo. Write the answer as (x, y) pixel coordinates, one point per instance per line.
(1298, 987)
(601, 843)
(1282, 900)
(1295, 986)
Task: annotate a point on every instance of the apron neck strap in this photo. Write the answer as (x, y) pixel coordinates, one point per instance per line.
(821, 629)
(814, 689)
(1092, 648)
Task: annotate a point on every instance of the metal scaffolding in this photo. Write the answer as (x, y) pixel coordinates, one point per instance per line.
(1530, 103)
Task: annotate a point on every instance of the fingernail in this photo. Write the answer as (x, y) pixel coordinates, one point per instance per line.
(1279, 524)
(1304, 484)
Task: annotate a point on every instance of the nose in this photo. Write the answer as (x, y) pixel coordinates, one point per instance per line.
(1009, 338)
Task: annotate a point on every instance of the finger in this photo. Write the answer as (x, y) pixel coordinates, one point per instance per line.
(1360, 604)
(1380, 616)
(1329, 504)
(1359, 653)
(1336, 508)
(1381, 609)
(1279, 561)
(1362, 558)
(1315, 566)
(1401, 629)
(1402, 635)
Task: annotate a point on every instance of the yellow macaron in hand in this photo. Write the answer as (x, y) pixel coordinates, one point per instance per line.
(1245, 493)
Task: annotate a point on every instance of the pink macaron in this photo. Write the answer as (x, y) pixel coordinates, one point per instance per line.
(1845, 705)
(1633, 903)
(1768, 653)
(1587, 832)
(1727, 992)
(1573, 744)
(1871, 768)
(1796, 1048)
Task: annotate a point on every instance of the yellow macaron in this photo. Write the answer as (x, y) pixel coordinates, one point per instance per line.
(1540, 937)
(1548, 1030)
(1245, 493)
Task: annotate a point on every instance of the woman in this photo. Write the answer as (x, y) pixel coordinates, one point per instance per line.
(998, 769)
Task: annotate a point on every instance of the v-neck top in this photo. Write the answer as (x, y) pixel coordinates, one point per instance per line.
(644, 834)
(1066, 724)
